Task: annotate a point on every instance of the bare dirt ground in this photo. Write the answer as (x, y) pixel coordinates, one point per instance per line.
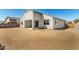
(27, 39)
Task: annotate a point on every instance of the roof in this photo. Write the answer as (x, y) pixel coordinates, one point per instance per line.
(33, 11)
(13, 18)
(16, 18)
(59, 19)
(37, 12)
(54, 17)
(45, 14)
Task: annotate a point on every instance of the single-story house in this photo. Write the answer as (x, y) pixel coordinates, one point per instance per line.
(34, 19)
(53, 22)
(11, 22)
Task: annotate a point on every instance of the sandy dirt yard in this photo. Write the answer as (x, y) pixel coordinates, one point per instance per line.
(41, 39)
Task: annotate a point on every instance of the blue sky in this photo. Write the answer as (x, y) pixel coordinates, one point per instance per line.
(10, 12)
(66, 14)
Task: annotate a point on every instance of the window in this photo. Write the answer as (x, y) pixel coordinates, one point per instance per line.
(21, 23)
(46, 22)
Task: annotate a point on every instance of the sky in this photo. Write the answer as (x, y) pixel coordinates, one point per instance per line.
(11, 13)
(66, 14)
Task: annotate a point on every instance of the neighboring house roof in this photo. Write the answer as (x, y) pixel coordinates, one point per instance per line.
(13, 18)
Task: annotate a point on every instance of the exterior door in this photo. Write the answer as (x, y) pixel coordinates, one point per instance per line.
(36, 24)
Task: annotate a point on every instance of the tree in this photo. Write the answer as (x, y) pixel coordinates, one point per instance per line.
(76, 20)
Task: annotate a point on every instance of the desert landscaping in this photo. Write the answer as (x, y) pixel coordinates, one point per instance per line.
(41, 39)
(38, 31)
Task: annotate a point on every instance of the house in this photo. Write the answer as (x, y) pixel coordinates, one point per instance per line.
(11, 22)
(70, 24)
(53, 22)
(1, 22)
(33, 19)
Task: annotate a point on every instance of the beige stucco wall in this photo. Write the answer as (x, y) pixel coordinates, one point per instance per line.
(50, 26)
(59, 23)
(27, 16)
(31, 15)
(38, 17)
